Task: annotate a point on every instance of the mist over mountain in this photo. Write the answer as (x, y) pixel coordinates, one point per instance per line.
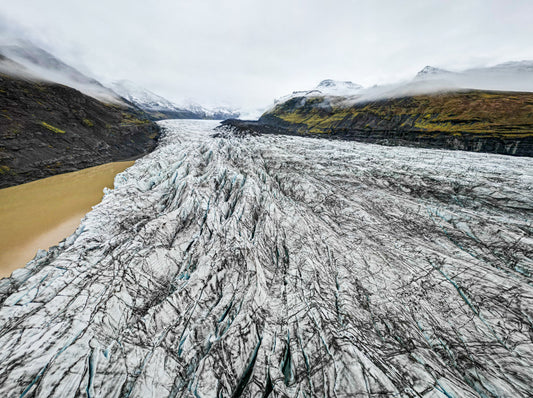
(22, 58)
(430, 71)
(478, 109)
(161, 108)
(508, 76)
(32, 62)
(48, 128)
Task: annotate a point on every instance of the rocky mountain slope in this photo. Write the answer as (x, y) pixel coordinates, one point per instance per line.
(47, 128)
(437, 109)
(473, 120)
(496, 122)
(276, 266)
(160, 108)
(34, 63)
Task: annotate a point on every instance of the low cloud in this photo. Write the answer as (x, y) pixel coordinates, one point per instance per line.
(246, 53)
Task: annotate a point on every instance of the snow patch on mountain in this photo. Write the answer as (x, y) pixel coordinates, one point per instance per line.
(336, 87)
(154, 103)
(328, 87)
(508, 76)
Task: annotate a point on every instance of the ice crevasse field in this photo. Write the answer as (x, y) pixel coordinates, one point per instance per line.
(228, 265)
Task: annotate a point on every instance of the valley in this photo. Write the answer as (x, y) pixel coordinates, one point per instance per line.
(365, 238)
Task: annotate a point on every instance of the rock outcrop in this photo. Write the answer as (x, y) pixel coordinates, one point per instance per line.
(48, 128)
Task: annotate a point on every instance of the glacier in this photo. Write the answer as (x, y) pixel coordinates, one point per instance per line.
(230, 265)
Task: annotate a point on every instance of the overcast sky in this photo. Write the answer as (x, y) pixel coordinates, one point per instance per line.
(248, 52)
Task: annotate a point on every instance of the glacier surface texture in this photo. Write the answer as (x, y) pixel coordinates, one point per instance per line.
(273, 266)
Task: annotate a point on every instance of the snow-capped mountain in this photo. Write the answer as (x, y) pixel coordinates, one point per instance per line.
(337, 87)
(508, 76)
(216, 113)
(512, 66)
(328, 87)
(161, 108)
(143, 98)
(506, 67)
(23, 58)
(431, 72)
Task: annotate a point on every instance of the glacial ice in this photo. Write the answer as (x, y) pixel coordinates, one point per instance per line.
(285, 267)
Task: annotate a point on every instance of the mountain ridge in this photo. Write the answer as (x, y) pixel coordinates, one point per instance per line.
(31, 62)
(34, 63)
(436, 109)
(47, 129)
(473, 120)
(507, 76)
(160, 108)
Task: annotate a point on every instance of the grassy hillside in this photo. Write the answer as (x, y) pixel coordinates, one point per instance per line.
(490, 121)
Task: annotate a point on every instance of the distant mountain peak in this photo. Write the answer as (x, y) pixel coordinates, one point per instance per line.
(338, 87)
(513, 66)
(508, 76)
(431, 71)
(161, 108)
(337, 83)
(141, 96)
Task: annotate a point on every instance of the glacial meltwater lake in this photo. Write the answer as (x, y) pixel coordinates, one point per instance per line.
(41, 213)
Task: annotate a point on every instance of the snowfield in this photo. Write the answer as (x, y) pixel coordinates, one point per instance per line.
(284, 267)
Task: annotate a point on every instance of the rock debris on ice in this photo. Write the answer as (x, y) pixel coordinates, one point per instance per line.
(284, 267)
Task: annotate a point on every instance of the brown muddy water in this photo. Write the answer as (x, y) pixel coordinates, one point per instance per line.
(42, 213)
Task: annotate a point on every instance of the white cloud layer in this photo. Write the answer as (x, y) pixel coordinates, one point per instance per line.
(248, 52)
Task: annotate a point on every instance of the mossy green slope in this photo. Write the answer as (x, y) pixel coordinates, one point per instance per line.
(488, 118)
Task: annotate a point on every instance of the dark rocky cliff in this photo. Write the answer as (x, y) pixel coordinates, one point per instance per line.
(480, 121)
(48, 129)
